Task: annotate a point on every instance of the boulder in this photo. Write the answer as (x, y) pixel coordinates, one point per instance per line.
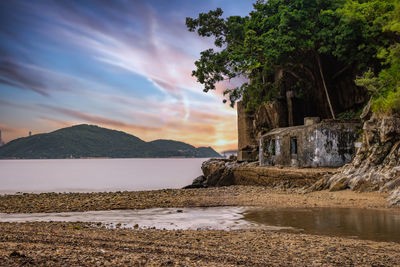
(199, 182)
(218, 172)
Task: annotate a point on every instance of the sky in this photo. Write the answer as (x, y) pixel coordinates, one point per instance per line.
(123, 65)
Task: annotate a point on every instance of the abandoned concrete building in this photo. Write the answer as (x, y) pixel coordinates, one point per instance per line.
(297, 127)
(329, 143)
(314, 144)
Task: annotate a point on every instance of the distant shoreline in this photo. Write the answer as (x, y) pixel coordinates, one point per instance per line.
(100, 158)
(91, 141)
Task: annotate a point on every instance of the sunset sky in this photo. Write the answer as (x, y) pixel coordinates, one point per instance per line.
(122, 65)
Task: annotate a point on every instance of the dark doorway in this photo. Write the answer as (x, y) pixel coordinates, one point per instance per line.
(293, 146)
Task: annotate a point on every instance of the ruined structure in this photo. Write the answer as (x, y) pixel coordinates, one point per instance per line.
(247, 143)
(286, 101)
(314, 144)
(264, 151)
(264, 136)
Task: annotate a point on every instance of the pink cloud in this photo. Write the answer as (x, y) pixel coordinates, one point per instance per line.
(90, 118)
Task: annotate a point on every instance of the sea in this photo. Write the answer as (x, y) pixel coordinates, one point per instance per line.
(96, 175)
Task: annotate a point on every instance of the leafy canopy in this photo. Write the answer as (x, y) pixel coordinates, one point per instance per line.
(385, 87)
(291, 36)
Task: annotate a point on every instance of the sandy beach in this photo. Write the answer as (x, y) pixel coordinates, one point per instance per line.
(73, 244)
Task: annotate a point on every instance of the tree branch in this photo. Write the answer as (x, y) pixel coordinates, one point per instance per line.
(324, 84)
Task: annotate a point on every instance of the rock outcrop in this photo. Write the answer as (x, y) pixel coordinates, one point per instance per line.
(376, 165)
(216, 172)
(223, 172)
(248, 174)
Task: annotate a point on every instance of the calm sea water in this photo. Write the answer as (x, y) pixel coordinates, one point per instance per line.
(94, 175)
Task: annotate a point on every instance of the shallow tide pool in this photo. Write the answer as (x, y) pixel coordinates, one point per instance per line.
(369, 224)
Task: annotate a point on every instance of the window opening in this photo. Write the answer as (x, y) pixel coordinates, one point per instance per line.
(272, 147)
(293, 146)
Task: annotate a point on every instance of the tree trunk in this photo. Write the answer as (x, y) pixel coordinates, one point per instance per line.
(324, 84)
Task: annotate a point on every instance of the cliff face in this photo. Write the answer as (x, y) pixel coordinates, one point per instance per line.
(376, 165)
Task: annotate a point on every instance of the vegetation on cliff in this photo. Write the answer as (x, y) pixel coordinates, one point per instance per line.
(385, 87)
(93, 141)
(315, 48)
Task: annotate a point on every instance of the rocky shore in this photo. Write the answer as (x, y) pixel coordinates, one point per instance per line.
(374, 167)
(75, 244)
(225, 172)
(376, 164)
(66, 244)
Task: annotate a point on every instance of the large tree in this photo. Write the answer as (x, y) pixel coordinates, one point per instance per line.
(300, 44)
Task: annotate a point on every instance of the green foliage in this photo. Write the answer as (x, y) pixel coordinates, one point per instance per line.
(359, 36)
(350, 115)
(278, 34)
(92, 141)
(258, 94)
(291, 36)
(385, 86)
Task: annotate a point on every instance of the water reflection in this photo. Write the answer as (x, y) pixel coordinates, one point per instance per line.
(378, 225)
(217, 218)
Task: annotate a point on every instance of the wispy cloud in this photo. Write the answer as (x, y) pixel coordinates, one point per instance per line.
(19, 76)
(91, 118)
(80, 62)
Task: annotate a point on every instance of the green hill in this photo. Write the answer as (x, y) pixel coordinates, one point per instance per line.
(82, 141)
(172, 148)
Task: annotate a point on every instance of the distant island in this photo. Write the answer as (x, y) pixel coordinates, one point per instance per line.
(90, 141)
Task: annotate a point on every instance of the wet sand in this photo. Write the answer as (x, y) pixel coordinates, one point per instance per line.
(207, 197)
(59, 244)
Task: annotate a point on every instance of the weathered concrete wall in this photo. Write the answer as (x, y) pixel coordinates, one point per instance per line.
(327, 144)
(247, 144)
